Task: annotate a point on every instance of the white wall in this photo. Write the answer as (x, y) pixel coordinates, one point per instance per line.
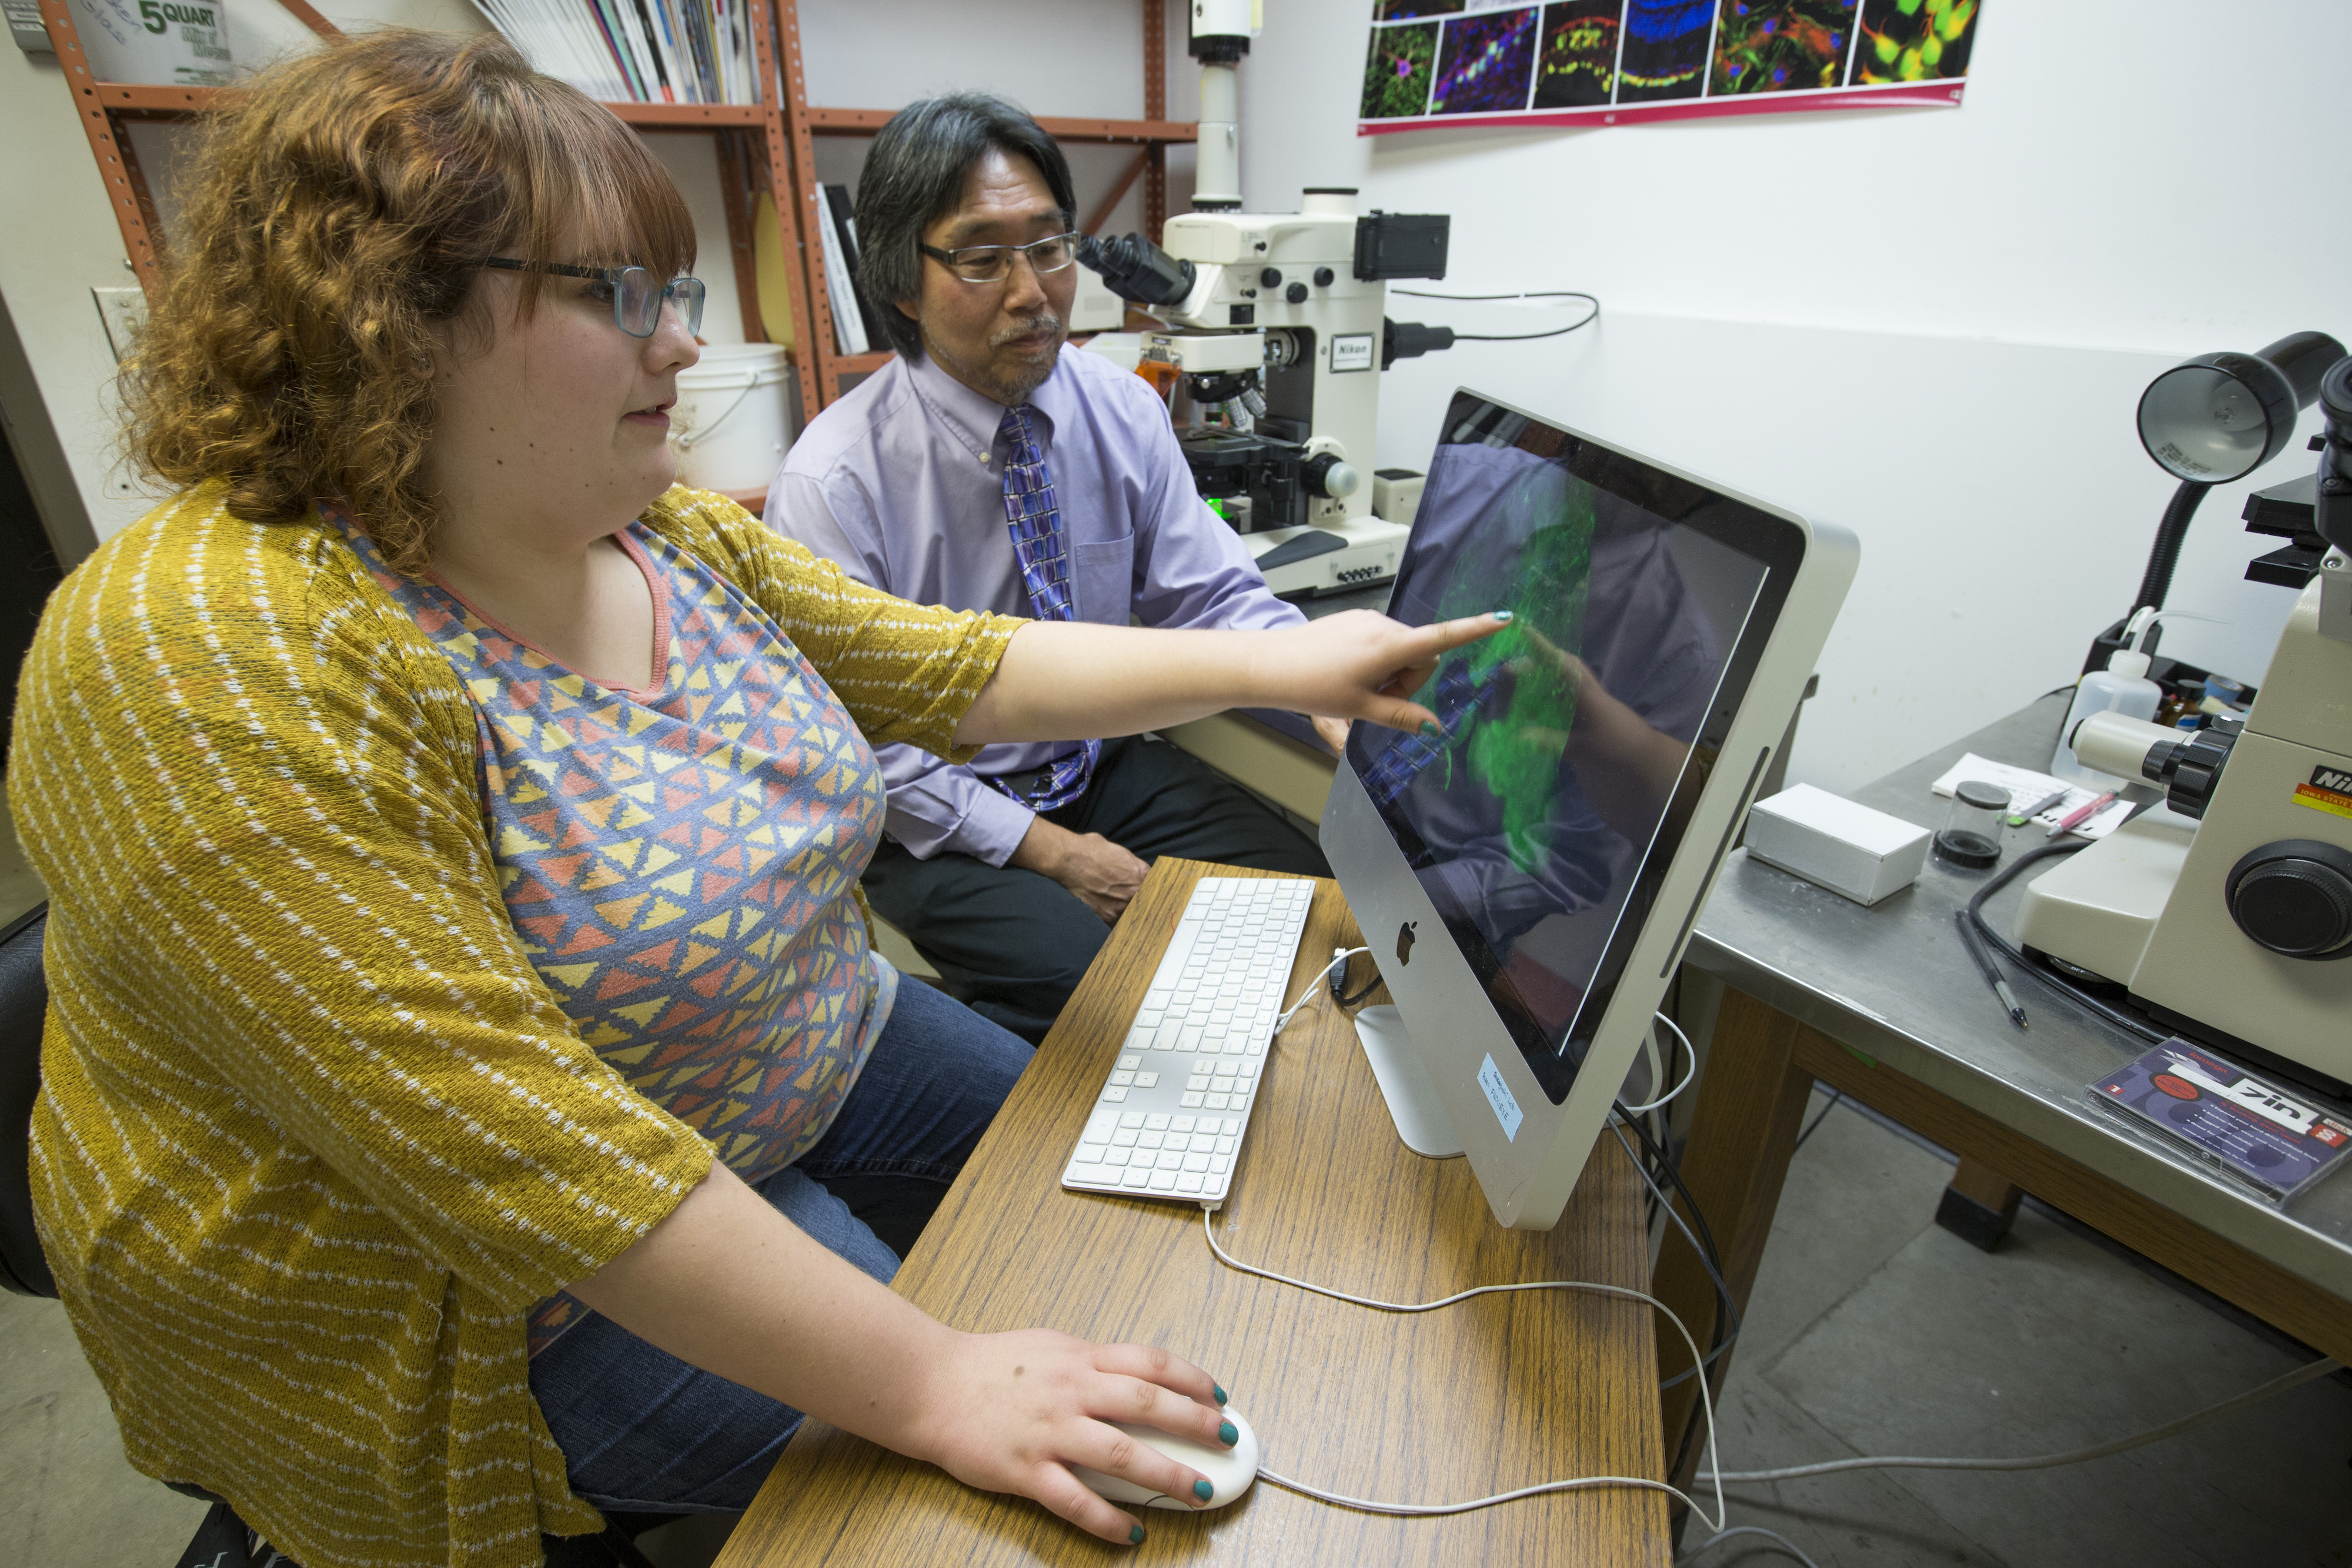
(1054, 58)
(1932, 326)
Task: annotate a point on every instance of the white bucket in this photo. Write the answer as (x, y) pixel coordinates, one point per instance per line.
(728, 428)
(168, 43)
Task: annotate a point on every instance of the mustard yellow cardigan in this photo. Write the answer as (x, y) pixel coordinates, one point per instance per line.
(312, 1135)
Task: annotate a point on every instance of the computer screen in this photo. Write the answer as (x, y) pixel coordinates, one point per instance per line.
(1574, 744)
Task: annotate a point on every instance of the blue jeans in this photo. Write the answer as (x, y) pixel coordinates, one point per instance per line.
(644, 1432)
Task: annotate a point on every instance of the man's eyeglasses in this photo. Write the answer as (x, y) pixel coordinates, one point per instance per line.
(993, 263)
(635, 293)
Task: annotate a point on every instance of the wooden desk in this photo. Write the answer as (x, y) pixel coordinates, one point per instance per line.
(1498, 1393)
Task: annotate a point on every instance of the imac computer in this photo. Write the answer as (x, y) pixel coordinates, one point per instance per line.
(1527, 877)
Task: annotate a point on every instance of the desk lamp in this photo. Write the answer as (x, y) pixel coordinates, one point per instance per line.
(2217, 418)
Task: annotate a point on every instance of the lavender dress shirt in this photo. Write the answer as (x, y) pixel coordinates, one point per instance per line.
(902, 483)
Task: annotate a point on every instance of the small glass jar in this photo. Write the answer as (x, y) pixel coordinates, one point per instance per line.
(1972, 835)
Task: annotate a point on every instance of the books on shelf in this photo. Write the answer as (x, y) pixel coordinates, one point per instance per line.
(637, 51)
(836, 238)
(837, 205)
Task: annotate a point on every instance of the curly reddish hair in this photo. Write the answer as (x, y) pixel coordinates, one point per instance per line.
(334, 226)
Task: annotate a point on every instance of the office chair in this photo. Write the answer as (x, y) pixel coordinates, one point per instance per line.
(24, 1272)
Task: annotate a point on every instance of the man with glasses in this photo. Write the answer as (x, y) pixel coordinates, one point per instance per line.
(985, 469)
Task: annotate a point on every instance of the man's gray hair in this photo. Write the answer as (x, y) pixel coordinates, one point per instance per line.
(915, 175)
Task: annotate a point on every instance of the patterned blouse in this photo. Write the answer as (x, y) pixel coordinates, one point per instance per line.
(678, 859)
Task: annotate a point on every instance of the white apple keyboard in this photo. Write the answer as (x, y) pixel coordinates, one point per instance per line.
(1169, 1120)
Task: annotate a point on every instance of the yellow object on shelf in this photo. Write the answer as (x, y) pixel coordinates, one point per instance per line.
(768, 262)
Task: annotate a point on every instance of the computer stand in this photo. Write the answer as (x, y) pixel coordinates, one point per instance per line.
(1420, 1116)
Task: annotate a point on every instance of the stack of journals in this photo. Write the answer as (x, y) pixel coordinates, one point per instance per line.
(642, 51)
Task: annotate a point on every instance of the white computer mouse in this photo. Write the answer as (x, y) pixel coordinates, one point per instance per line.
(1229, 1470)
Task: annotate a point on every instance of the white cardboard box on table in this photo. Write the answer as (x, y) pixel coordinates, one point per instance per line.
(1826, 838)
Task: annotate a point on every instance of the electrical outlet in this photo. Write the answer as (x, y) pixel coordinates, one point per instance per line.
(124, 313)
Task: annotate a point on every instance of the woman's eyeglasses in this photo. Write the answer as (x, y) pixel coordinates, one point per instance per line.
(637, 295)
(993, 263)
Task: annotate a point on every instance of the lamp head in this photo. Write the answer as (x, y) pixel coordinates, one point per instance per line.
(2219, 417)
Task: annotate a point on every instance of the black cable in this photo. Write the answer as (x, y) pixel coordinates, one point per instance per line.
(2088, 1003)
(1728, 1324)
(1340, 997)
(1835, 1095)
(2164, 553)
(1592, 316)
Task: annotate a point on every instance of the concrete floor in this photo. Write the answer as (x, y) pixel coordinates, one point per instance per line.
(1872, 1331)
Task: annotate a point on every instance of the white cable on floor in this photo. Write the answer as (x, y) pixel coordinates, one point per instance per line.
(2277, 1385)
(1689, 1073)
(1787, 1545)
(1209, 1229)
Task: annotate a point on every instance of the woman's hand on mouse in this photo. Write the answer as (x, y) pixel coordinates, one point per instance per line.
(1012, 1412)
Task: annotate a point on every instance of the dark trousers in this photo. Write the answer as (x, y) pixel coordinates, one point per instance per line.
(1016, 942)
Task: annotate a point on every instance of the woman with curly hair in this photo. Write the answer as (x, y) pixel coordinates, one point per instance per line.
(468, 1083)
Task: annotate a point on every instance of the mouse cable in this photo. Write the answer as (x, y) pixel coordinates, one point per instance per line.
(2271, 1390)
(1688, 1073)
(1209, 1229)
(1589, 317)
(1338, 961)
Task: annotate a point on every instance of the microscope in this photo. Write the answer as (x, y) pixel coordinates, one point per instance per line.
(2227, 913)
(1274, 328)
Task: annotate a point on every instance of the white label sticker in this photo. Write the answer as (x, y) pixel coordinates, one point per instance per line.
(1351, 352)
(1499, 1095)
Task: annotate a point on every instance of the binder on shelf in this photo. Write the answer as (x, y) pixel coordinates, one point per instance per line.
(848, 322)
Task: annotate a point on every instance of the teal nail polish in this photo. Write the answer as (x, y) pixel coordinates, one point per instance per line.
(1218, 1389)
(1203, 1491)
(1502, 615)
(1429, 727)
(1228, 1433)
(1135, 1535)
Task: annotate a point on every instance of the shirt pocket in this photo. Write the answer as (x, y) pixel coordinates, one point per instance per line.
(1102, 574)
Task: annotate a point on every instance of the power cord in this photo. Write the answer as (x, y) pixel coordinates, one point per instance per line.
(1591, 317)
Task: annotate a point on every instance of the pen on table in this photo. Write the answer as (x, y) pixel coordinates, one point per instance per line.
(2082, 814)
(2018, 819)
(1985, 965)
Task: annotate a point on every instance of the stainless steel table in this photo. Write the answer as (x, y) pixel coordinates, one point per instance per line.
(1885, 1005)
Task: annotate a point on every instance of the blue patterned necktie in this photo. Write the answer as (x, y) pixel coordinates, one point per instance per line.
(1038, 544)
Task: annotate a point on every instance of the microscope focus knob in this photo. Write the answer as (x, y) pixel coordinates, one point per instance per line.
(1323, 277)
(2294, 897)
(1296, 294)
(1270, 278)
(1332, 476)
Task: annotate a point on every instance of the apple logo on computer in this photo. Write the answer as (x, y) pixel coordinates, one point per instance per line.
(1404, 941)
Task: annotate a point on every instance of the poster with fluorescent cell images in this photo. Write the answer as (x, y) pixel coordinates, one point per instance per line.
(1434, 64)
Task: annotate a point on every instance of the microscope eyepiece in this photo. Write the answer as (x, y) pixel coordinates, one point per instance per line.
(1136, 269)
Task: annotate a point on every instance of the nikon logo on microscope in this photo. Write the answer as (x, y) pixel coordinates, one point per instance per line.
(2334, 779)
